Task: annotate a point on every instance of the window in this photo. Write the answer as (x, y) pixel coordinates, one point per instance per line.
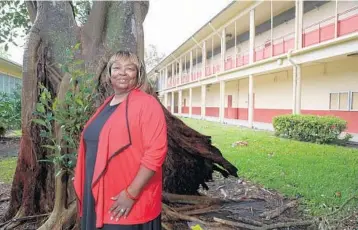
(354, 101)
(334, 101)
(345, 101)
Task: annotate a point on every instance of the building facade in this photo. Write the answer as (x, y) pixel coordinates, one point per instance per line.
(259, 59)
(10, 75)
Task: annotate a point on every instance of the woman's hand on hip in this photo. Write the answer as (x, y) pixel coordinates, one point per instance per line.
(122, 206)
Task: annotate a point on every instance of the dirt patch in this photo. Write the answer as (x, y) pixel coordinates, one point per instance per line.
(4, 193)
(9, 146)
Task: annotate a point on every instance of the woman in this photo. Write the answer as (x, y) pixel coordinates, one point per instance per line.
(118, 177)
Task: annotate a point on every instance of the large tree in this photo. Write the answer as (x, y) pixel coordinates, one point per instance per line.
(96, 31)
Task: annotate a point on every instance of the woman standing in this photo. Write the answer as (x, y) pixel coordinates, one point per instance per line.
(118, 177)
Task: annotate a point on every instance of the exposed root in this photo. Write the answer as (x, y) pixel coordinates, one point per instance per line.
(235, 224)
(287, 224)
(276, 212)
(59, 214)
(187, 199)
(168, 211)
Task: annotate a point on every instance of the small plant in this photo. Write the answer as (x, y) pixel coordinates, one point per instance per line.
(62, 119)
(310, 128)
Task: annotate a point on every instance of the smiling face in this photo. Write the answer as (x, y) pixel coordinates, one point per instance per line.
(123, 74)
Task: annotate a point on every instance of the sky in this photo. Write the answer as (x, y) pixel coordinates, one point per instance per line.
(168, 23)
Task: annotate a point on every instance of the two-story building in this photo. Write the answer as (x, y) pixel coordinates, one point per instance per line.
(10, 75)
(258, 59)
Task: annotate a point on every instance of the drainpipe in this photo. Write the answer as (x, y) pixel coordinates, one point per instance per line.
(296, 108)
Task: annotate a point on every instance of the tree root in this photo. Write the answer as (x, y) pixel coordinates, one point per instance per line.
(13, 224)
(247, 220)
(202, 210)
(190, 207)
(168, 211)
(188, 199)
(235, 224)
(276, 212)
(60, 215)
(24, 218)
(287, 224)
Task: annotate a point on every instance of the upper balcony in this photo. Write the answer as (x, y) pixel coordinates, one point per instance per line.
(272, 38)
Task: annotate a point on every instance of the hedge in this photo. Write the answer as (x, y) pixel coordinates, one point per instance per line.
(310, 128)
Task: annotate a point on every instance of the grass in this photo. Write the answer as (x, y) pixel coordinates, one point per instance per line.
(324, 176)
(14, 133)
(7, 166)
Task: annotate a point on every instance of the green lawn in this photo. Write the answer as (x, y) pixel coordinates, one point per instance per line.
(315, 172)
(7, 166)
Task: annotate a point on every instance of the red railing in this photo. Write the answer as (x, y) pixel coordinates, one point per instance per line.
(229, 64)
(324, 30)
(316, 33)
(242, 59)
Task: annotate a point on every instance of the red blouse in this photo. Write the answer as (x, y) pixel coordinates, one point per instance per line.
(135, 134)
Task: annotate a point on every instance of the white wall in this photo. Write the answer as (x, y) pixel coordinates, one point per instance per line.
(196, 94)
(213, 95)
(273, 91)
(320, 80)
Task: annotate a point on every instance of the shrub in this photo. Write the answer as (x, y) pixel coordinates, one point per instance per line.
(310, 128)
(10, 109)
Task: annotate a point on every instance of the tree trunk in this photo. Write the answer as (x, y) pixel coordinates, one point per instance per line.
(111, 26)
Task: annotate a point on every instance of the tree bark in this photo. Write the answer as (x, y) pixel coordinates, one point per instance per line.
(111, 26)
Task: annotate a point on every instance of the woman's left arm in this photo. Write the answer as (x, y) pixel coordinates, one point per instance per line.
(154, 137)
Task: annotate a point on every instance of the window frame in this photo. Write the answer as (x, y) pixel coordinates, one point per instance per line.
(350, 101)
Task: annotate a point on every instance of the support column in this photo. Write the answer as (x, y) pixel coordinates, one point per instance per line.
(166, 77)
(336, 21)
(191, 66)
(252, 36)
(172, 104)
(190, 102)
(222, 102)
(166, 100)
(203, 99)
(271, 42)
(298, 24)
(180, 101)
(173, 76)
(296, 90)
(180, 70)
(223, 50)
(203, 59)
(251, 101)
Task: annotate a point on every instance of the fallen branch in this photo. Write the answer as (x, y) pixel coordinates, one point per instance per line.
(202, 210)
(276, 212)
(247, 220)
(187, 199)
(190, 207)
(235, 224)
(287, 224)
(4, 199)
(167, 210)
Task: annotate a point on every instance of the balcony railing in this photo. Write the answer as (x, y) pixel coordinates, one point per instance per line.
(324, 30)
(314, 34)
